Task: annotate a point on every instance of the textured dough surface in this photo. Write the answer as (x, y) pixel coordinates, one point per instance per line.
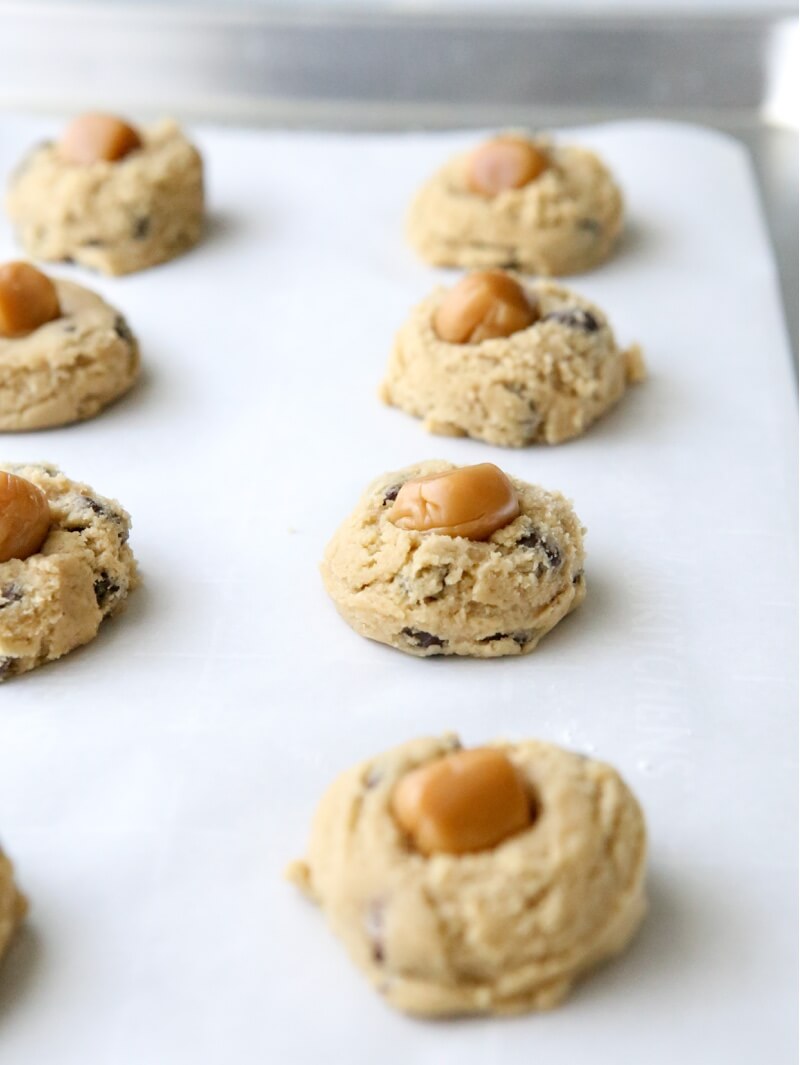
(543, 384)
(564, 222)
(13, 905)
(426, 593)
(69, 369)
(113, 217)
(55, 600)
(501, 930)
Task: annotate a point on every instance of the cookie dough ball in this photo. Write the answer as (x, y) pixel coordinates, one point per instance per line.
(508, 361)
(13, 905)
(59, 578)
(65, 354)
(521, 202)
(479, 881)
(442, 560)
(108, 196)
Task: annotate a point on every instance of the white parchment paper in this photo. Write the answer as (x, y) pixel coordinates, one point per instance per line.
(154, 784)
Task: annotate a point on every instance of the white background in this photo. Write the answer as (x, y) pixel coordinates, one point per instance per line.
(154, 784)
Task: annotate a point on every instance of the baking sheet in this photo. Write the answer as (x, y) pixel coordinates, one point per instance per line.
(154, 784)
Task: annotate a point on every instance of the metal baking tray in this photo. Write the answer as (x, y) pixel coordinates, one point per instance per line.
(303, 67)
(154, 785)
(118, 770)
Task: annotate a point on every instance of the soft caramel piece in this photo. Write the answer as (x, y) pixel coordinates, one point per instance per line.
(504, 163)
(472, 501)
(28, 299)
(467, 801)
(92, 137)
(482, 305)
(24, 517)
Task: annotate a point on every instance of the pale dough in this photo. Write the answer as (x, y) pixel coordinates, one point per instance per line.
(426, 593)
(566, 221)
(13, 905)
(501, 930)
(55, 600)
(68, 369)
(543, 384)
(115, 217)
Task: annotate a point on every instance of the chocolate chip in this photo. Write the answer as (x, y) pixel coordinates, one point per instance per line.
(391, 493)
(66, 259)
(590, 225)
(92, 504)
(5, 667)
(104, 512)
(9, 593)
(123, 330)
(141, 227)
(374, 927)
(575, 318)
(533, 540)
(424, 639)
(93, 242)
(578, 577)
(373, 777)
(104, 586)
(519, 638)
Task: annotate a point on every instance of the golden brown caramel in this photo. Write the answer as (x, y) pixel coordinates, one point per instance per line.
(467, 801)
(482, 305)
(92, 137)
(28, 299)
(24, 517)
(504, 163)
(472, 501)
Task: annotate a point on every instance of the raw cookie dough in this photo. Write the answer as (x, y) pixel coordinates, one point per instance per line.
(564, 222)
(426, 593)
(13, 905)
(501, 930)
(70, 368)
(55, 600)
(116, 217)
(543, 384)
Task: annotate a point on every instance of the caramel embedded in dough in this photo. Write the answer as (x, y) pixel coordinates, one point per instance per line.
(481, 306)
(470, 501)
(503, 929)
(94, 137)
(504, 163)
(437, 591)
(24, 517)
(466, 801)
(28, 299)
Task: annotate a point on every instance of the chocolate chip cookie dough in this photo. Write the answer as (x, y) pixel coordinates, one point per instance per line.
(482, 881)
(441, 560)
(521, 202)
(65, 354)
(108, 196)
(508, 361)
(13, 905)
(65, 565)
